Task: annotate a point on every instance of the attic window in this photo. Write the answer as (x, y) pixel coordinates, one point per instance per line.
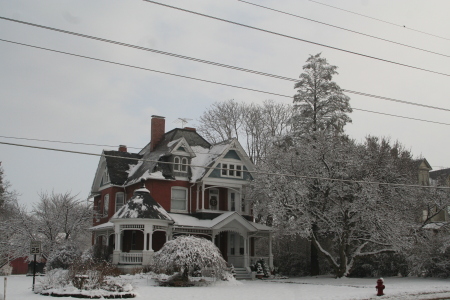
(232, 170)
(105, 177)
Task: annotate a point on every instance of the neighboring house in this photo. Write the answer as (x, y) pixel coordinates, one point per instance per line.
(178, 184)
(441, 178)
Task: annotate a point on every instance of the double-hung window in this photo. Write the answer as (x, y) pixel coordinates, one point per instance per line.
(106, 205)
(120, 199)
(179, 199)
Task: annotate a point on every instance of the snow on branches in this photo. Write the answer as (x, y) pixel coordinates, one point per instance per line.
(185, 254)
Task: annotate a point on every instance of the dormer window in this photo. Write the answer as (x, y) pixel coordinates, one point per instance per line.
(180, 164)
(176, 163)
(232, 170)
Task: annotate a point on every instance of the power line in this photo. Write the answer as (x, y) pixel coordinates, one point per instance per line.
(403, 117)
(294, 38)
(345, 29)
(61, 142)
(221, 65)
(387, 22)
(218, 168)
(214, 82)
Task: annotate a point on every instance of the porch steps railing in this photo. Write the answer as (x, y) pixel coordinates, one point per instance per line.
(242, 274)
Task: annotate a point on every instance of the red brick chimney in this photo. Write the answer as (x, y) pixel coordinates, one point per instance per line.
(123, 148)
(157, 131)
(190, 128)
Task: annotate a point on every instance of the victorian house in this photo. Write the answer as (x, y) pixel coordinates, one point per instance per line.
(178, 184)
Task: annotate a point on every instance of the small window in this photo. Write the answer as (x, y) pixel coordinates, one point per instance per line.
(238, 170)
(179, 199)
(119, 200)
(176, 161)
(184, 163)
(224, 169)
(106, 205)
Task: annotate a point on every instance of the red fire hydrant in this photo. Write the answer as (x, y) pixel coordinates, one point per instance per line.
(380, 287)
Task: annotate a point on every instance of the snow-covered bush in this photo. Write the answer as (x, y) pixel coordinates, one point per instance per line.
(53, 279)
(186, 253)
(63, 256)
(89, 275)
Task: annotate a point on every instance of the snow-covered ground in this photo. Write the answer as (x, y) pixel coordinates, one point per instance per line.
(310, 288)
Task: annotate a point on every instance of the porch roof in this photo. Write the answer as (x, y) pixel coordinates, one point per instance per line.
(217, 223)
(106, 225)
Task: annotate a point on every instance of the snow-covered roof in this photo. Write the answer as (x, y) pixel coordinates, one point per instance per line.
(216, 223)
(103, 226)
(142, 206)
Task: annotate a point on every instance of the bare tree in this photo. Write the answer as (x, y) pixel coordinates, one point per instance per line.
(254, 125)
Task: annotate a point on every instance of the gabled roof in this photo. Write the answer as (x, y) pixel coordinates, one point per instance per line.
(162, 151)
(423, 163)
(220, 150)
(142, 206)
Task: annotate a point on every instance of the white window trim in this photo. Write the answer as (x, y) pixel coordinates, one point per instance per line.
(171, 198)
(226, 170)
(123, 200)
(184, 165)
(176, 163)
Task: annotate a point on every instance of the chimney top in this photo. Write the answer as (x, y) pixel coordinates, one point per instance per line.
(123, 148)
(157, 130)
(190, 128)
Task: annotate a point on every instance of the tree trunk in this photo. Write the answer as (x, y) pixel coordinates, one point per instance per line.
(315, 270)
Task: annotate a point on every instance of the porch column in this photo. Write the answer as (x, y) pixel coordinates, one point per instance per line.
(198, 191)
(203, 195)
(246, 247)
(270, 251)
(147, 252)
(107, 238)
(116, 252)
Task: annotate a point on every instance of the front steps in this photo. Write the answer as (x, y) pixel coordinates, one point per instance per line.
(242, 274)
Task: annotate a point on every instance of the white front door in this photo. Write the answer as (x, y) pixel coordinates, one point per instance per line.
(236, 249)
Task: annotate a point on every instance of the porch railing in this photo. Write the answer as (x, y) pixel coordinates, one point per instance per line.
(130, 258)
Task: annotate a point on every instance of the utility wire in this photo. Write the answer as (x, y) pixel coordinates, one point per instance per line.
(61, 142)
(387, 22)
(225, 66)
(345, 29)
(244, 171)
(219, 83)
(294, 38)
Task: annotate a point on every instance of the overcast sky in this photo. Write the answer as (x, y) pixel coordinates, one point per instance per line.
(53, 96)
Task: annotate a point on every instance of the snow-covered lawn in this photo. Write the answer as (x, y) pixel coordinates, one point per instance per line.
(308, 288)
